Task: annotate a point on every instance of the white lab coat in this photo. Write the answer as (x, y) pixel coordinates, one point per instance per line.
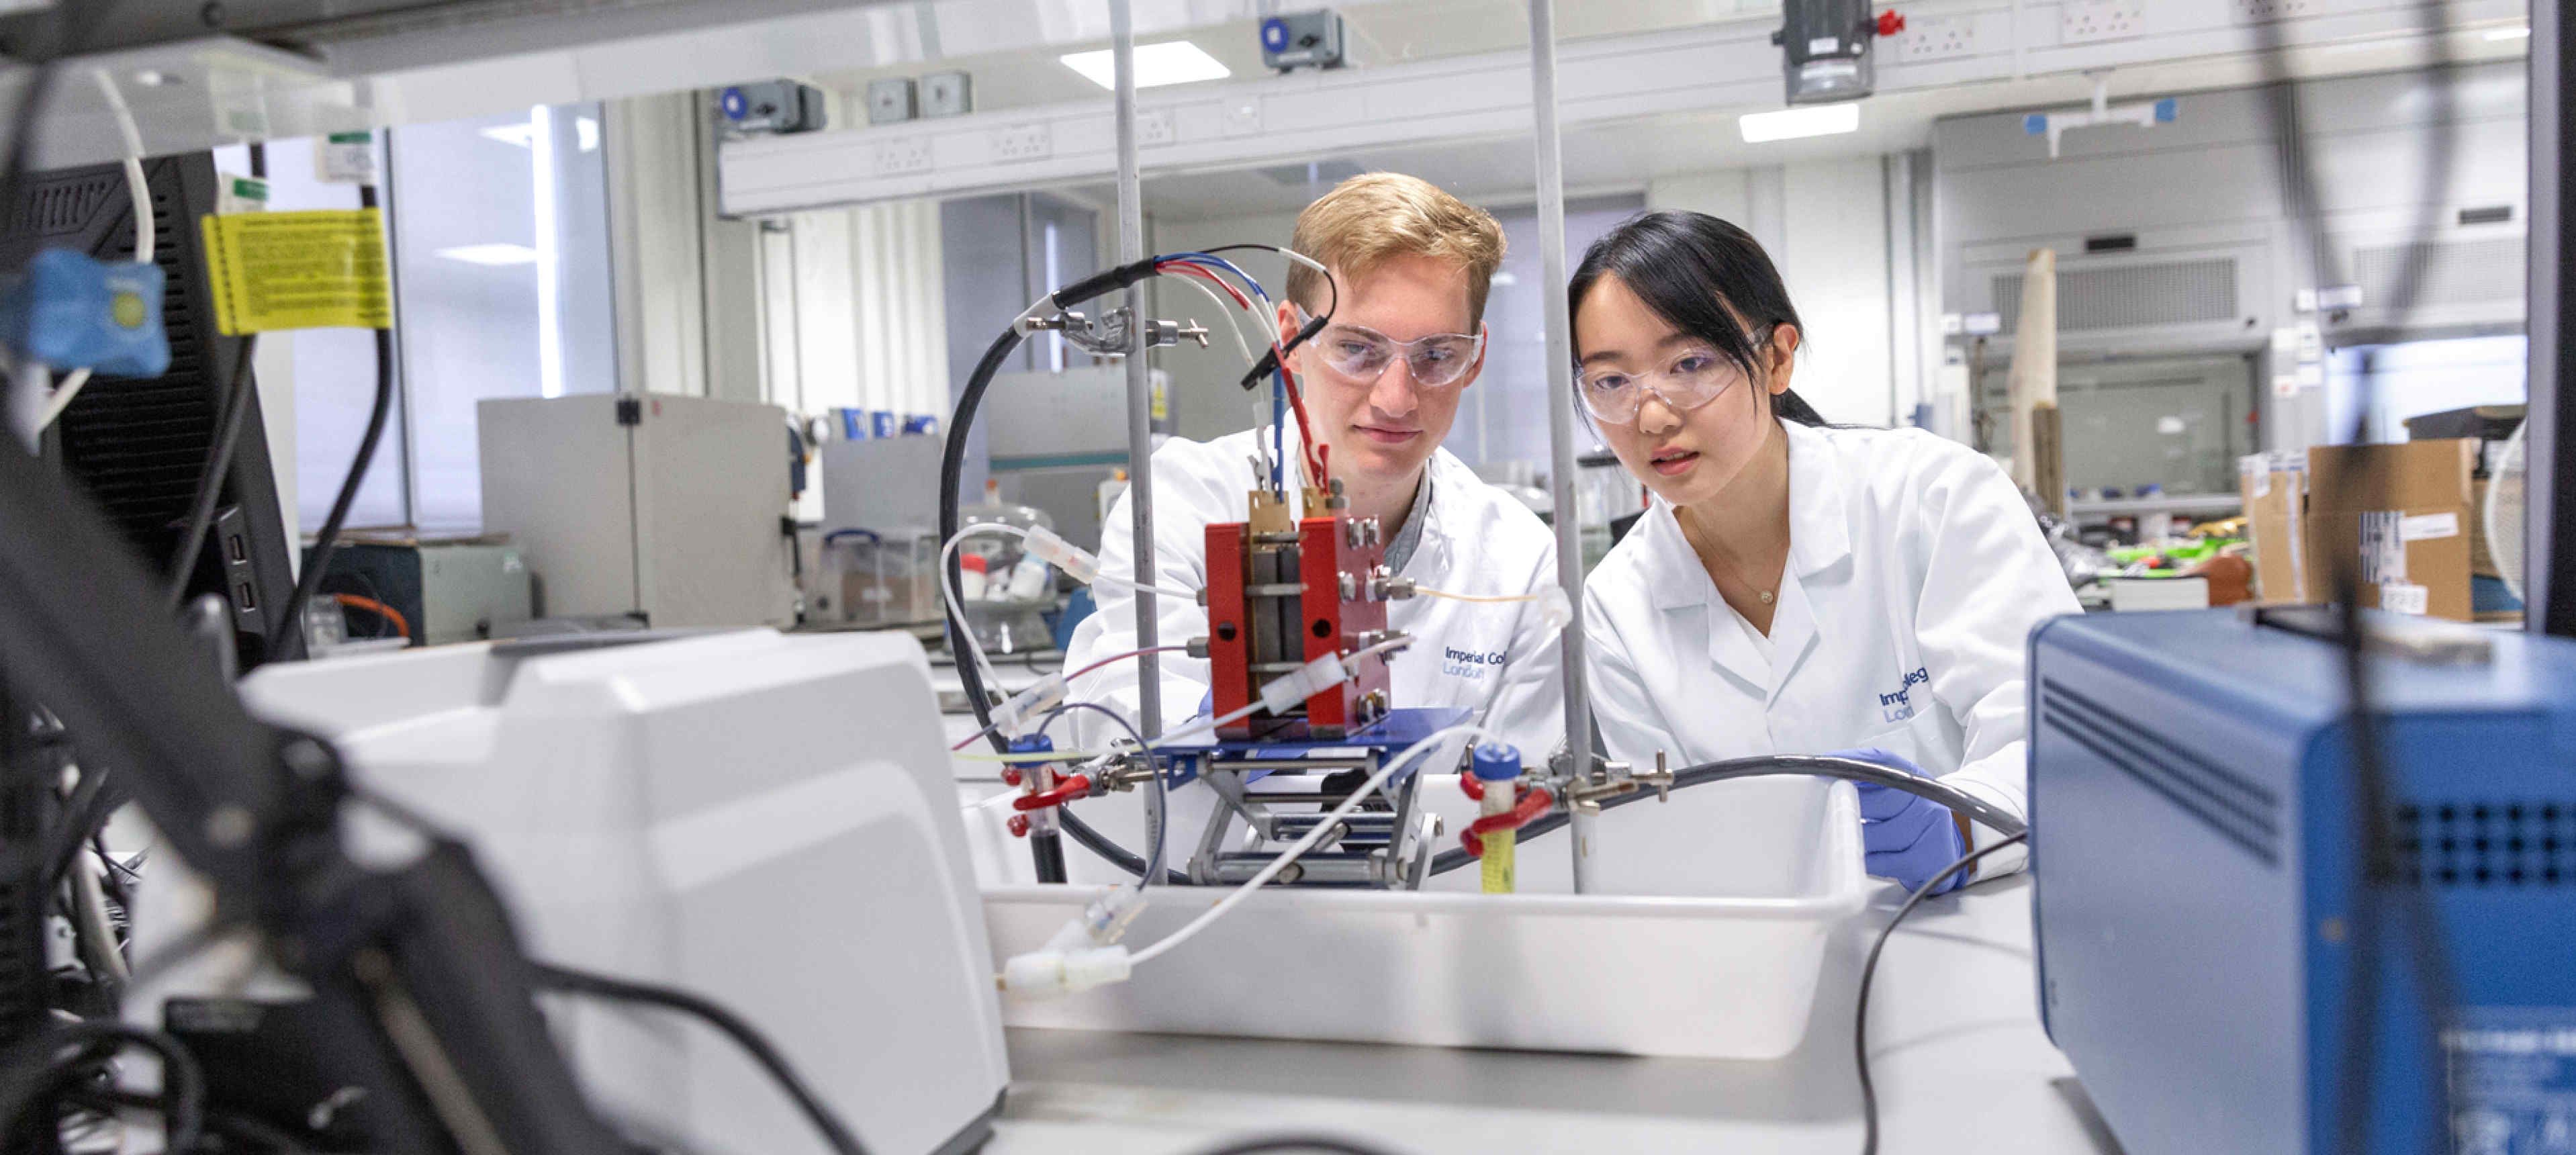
(1497, 657)
(1915, 576)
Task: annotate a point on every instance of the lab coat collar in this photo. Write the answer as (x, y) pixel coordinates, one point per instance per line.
(1819, 517)
(1819, 528)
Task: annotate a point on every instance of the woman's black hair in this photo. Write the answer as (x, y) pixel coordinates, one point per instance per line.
(1706, 277)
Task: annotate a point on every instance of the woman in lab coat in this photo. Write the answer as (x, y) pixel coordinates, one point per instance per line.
(1795, 587)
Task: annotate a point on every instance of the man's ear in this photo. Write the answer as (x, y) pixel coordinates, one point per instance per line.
(1483, 347)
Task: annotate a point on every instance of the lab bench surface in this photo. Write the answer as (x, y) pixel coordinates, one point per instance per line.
(1960, 1062)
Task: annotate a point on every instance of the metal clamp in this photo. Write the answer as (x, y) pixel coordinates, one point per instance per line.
(1110, 336)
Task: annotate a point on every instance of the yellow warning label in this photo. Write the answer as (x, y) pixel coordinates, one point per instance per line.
(302, 270)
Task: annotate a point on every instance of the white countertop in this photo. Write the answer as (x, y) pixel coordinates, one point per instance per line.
(1960, 1061)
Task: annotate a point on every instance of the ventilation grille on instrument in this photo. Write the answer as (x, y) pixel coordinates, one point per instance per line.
(2174, 293)
(64, 206)
(2453, 273)
(2240, 810)
(2490, 844)
(138, 445)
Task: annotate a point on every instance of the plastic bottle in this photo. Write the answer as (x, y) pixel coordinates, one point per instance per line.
(1497, 767)
(970, 577)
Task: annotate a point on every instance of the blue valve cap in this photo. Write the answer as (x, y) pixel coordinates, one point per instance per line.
(1496, 762)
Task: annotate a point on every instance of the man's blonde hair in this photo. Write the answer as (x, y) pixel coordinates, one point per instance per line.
(1376, 216)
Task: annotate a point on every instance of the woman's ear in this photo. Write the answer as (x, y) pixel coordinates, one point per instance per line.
(1782, 356)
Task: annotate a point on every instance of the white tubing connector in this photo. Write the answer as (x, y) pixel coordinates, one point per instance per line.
(1045, 974)
(1285, 692)
(1554, 610)
(1080, 563)
(1045, 694)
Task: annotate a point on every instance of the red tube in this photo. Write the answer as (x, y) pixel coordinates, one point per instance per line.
(1533, 804)
(1473, 788)
(1065, 791)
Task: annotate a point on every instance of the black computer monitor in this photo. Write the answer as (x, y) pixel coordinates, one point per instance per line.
(139, 445)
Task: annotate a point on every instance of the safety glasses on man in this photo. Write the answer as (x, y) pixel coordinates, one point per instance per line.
(1694, 377)
(1362, 354)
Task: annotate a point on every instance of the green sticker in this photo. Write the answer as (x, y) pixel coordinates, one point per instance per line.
(352, 137)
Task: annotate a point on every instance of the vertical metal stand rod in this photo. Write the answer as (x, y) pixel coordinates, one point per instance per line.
(2549, 560)
(1584, 817)
(1140, 386)
(1560, 383)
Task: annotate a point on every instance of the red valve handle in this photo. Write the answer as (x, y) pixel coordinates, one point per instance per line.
(1891, 22)
(1533, 804)
(1065, 791)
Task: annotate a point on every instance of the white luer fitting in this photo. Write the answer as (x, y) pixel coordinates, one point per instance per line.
(1286, 692)
(1555, 609)
(1079, 563)
(1048, 973)
(1045, 694)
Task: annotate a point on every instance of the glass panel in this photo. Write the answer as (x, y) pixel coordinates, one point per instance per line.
(501, 283)
(2420, 377)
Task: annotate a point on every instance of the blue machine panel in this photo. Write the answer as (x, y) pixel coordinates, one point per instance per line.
(2195, 870)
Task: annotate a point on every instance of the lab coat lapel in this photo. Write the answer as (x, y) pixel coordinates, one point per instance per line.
(1819, 546)
(1793, 633)
(1682, 590)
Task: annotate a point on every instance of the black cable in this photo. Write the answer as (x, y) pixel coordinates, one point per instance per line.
(84, 813)
(1151, 868)
(835, 1133)
(291, 622)
(1869, 970)
(227, 1124)
(228, 430)
(2372, 791)
(31, 1072)
(210, 480)
(1269, 361)
(1294, 1141)
(1776, 765)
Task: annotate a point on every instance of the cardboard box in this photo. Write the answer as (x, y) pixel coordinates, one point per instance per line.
(2403, 514)
(2275, 489)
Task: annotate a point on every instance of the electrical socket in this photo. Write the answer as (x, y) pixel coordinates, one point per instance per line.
(1023, 142)
(2087, 21)
(1937, 38)
(2259, 11)
(901, 157)
(1154, 128)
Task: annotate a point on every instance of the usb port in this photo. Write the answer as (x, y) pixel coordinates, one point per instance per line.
(234, 548)
(249, 600)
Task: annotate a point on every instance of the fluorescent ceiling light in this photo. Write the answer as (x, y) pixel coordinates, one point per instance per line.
(2509, 33)
(491, 254)
(1792, 123)
(1171, 62)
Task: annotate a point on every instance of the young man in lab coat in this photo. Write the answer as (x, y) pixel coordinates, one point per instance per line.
(1382, 384)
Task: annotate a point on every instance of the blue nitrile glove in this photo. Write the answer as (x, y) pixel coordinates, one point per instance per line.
(1909, 838)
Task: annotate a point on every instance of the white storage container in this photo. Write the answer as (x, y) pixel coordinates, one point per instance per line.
(1706, 944)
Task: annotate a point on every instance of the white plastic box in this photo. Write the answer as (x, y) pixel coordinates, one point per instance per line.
(1705, 941)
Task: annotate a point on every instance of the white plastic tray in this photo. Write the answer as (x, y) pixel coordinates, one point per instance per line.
(1709, 946)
